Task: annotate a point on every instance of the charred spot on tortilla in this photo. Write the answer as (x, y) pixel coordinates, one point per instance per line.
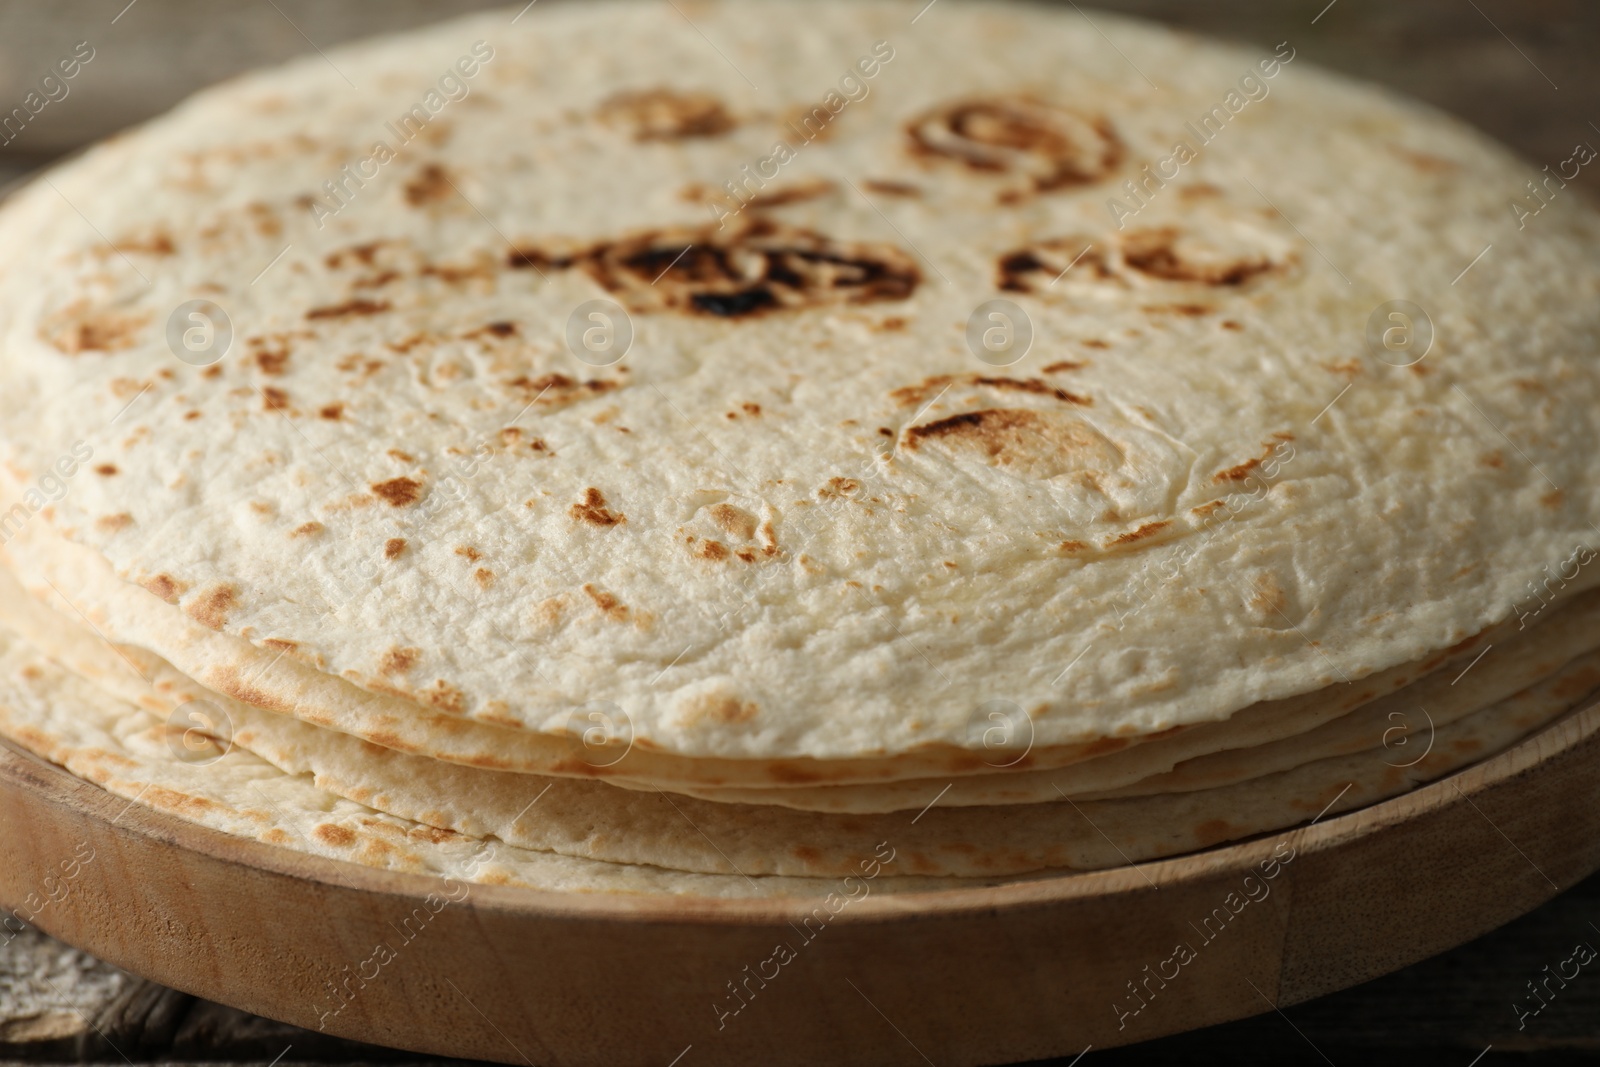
(755, 266)
(1031, 145)
(663, 114)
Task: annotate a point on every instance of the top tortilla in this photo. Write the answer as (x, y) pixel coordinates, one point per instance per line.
(400, 472)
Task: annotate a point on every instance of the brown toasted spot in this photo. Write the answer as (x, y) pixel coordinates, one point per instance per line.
(337, 836)
(1268, 596)
(1041, 265)
(892, 188)
(455, 275)
(172, 800)
(211, 607)
(663, 114)
(1031, 385)
(1149, 529)
(839, 487)
(1199, 191)
(494, 329)
(592, 510)
(376, 281)
(403, 457)
(607, 603)
(1237, 474)
(190, 416)
(1493, 460)
(106, 469)
(399, 492)
(715, 550)
(348, 309)
(1047, 146)
(393, 547)
(280, 644)
(1192, 311)
(446, 697)
(333, 412)
(79, 328)
(730, 709)
(750, 409)
(272, 361)
(929, 388)
(471, 553)
(273, 398)
(734, 520)
(365, 253)
(1061, 366)
(1229, 324)
(538, 259)
(485, 576)
(156, 244)
(1013, 269)
(811, 189)
(112, 523)
(1031, 442)
(1553, 498)
(166, 587)
(306, 529)
(1072, 546)
(752, 266)
(429, 185)
(553, 390)
(1158, 253)
(400, 660)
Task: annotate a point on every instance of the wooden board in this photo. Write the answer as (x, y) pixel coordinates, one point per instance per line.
(970, 976)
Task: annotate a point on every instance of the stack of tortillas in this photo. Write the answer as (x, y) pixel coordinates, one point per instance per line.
(709, 447)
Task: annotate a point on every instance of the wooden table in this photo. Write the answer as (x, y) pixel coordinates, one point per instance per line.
(1523, 70)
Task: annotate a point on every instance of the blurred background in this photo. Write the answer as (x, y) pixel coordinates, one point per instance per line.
(1524, 71)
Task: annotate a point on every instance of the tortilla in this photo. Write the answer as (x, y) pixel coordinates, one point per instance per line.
(130, 752)
(800, 520)
(598, 821)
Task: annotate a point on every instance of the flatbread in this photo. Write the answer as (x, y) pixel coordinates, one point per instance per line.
(1259, 740)
(1151, 520)
(598, 821)
(79, 585)
(129, 752)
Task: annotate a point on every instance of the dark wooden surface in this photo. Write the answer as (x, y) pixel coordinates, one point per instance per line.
(1525, 71)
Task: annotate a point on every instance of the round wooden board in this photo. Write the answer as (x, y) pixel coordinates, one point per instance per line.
(985, 976)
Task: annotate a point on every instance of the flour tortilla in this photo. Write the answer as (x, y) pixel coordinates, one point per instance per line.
(598, 820)
(78, 584)
(1257, 741)
(130, 752)
(594, 820)
(1048, 533)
